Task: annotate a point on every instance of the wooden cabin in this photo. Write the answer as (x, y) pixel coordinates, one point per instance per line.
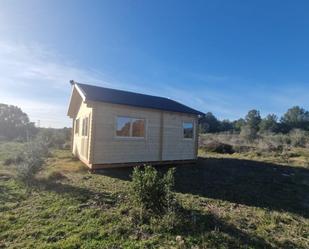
(113, 128)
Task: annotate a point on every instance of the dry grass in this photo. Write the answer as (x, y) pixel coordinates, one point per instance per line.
(270, 148)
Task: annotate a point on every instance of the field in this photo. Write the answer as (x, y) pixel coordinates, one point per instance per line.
(233, 201)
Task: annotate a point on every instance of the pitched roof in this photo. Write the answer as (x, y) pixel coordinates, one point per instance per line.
(102, 94)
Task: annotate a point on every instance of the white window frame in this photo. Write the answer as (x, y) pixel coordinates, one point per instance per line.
(131, 120)
(77, 126)
(193, 130)
(82, 130)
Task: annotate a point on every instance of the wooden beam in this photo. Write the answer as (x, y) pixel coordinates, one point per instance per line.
(133, 164)
(72, 134)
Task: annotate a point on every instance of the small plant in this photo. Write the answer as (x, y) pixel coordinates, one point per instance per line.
(32, 161)
(152, 191)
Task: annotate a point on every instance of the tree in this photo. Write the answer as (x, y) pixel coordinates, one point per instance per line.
(253, 119)
(237, 124)
(269, 124)
(14, 123)
(296, 117)
(251, 128)
(209, 123)
(226, 125)
(248, 133)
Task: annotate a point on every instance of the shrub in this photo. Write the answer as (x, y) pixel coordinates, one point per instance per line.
(298, 138)
(32, 161)
(55, 138)
(241, 148)
(266, 144)
(151, 190)
(248, 133)
(16, 159)
(55, 176)
(218, 147)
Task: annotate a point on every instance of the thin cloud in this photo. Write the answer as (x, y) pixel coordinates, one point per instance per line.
(49, 115)
(37, 80)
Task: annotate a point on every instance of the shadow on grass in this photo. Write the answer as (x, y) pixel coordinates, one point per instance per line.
(9, 194)
(252, 183)
(220, 234)
(247, 182)
(86, 196)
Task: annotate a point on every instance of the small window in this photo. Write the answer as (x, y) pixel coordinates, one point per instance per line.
(187, 130)
(77, 126)
(85, 127)
(130, 127)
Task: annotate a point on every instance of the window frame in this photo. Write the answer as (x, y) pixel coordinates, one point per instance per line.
(77, 126)
(130, 137)
(85, 120)
(193, 130)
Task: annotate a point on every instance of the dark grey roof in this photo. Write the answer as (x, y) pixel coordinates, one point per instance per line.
(102, 94)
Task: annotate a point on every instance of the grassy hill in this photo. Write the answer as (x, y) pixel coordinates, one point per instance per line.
(231, 201)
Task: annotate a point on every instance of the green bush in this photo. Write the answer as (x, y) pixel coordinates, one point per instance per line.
(32, 161)
(152, 191)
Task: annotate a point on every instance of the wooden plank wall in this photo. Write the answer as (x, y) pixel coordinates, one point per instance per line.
(163, 141)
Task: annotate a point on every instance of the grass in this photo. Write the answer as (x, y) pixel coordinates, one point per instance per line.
(8, 149)
(296, 157)
(231, 201)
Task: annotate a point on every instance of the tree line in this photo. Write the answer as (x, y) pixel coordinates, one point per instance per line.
(16, 126)
(294, 118)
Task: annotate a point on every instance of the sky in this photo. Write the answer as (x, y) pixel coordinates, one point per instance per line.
(224, 57)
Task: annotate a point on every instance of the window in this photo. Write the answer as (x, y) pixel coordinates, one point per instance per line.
(77, 126)
(123, 127)
(130, 127)
(85, 127)
(187, 130)
(138, 128)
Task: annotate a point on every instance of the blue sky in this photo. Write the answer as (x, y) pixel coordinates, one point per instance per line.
(221, 56)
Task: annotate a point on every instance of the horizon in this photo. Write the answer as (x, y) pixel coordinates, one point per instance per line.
(221, 57)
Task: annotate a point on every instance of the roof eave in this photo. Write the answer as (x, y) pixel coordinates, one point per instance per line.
(82, 95)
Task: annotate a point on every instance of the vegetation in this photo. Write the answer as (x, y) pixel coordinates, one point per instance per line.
(151, 191)
(225, 203)
(30, 161)
(269, 124)
(278, 145)
(15, 124)
(295, 118)
(55, 138)
(249, 189)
